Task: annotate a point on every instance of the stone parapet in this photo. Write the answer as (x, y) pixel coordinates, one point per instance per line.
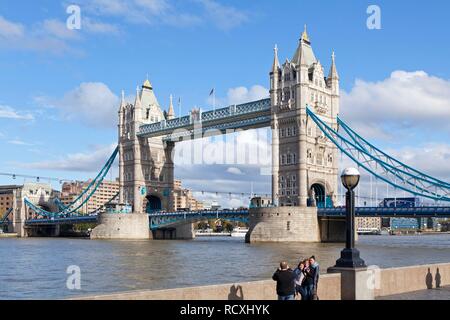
(384, 281)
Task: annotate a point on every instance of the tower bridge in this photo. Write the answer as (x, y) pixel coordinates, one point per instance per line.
(307, 134)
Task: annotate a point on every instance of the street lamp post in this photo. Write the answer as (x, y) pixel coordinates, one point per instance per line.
(350, 255)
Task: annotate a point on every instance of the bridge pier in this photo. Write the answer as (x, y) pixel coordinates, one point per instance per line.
(179, 232)
(132, 226)
(283, 224)
(41, 231)
(332, 229)
(293, 224)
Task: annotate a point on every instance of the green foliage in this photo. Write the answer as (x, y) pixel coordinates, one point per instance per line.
(227, 226)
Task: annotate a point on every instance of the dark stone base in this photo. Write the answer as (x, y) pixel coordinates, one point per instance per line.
(350, 259)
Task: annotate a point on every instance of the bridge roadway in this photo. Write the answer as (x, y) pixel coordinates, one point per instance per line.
(163, 219)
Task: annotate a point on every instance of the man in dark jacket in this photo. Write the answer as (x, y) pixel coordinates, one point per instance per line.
(315, 271)
(285, 279)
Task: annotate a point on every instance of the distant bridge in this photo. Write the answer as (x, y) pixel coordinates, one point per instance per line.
(167, 219)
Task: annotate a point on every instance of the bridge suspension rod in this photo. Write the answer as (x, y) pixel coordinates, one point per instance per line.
(363, 143)
(94, 185)
(366, 160)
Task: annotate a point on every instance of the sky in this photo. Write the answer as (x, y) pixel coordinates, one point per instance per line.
(60, 88)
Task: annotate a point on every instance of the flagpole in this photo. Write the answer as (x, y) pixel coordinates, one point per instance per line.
(179, 107)
(214, 99)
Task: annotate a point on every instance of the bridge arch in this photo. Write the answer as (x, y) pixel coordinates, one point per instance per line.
(152, 203)
(323, 193)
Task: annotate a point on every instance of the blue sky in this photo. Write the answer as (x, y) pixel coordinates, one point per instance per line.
(187, 47)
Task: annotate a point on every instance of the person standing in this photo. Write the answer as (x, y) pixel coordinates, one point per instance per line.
(300, 277)
(308, 282)
(285, 279)
(315, 271)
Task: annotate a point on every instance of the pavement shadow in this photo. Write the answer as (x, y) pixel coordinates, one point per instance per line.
(429, 279)
(236, 293)
(437, 278)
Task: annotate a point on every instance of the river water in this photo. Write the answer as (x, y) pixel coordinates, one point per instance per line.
(35, 268)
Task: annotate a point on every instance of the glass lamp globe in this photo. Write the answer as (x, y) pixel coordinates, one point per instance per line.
(350, 178)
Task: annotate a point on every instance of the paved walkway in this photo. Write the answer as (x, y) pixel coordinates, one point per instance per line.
(431, 294)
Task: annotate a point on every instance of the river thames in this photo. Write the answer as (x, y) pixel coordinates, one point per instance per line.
(35, 268)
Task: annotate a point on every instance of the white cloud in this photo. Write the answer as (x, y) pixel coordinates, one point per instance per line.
(430, 158)
(47, 36)
(165, 12)
(56, 28)
(19, 142)
(93, 26)
(150, 12)
(10, 29)
(234, 170)
(10, 113)
(89, 161)
(50, 35)
(240, 95)
(224, 17)
(92, 103)
(405, 100)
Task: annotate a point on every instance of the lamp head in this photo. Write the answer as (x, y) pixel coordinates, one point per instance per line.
(350, 178)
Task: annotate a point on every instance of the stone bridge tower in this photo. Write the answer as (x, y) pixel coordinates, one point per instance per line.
(146, 170)
(305, 173)
(305, 167)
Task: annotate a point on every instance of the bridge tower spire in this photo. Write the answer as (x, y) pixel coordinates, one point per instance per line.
(333, 85)
(275, 78)
(145, 173)
(306, 162)
(170, 112)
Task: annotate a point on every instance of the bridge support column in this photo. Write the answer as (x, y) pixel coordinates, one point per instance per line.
(179, 232)
(132, 226)
(332, 229)
(283, 224)
(52, 231)
(20, 216)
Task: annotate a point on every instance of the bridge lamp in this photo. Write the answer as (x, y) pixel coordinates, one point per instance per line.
(350, 255)
(350, 178)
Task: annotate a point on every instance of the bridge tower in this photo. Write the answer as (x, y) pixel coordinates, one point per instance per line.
(305, 173)
(305, 167)
(145, 164)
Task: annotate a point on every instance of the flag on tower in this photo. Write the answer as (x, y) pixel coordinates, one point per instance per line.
(213, 94)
